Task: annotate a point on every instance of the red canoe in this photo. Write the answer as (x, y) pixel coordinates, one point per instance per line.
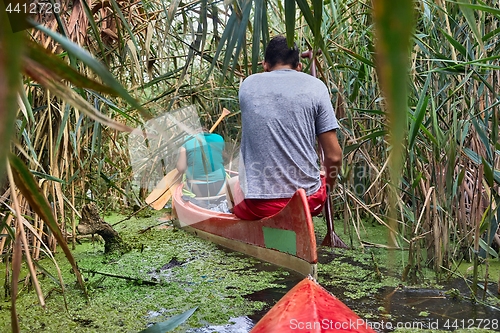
(285, 239)
(308, 307)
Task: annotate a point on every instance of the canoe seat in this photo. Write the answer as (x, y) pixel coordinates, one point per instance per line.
(212, 203)
(214, 198)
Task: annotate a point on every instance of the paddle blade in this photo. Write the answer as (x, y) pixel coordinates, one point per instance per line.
(163, 191)
(332, 240)
(161, 201)
(154, 195)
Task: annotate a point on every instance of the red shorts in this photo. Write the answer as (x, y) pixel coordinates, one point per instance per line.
(256, 209)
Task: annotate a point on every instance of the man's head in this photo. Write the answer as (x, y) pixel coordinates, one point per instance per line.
(279, 54)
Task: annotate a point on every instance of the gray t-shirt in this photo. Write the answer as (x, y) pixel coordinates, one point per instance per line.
(282, 112)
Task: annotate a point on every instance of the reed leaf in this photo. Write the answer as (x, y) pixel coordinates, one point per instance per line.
(318, 19)
(225, 38)
(488, 173)
(456, 44)
(483, 136)
(394, 25)
(259, 18)
(93, 26)
(306, 12)
(486, 248)
(290, 21)
(26, 104)
(241, 34)
(471, 20)
(16, 269)
(110, 104)
(124, 21)
(30, 190)
(170, 324)
(10, 65)
(52, 63)
(419, 113)
(238, 36)
(453, 120)
(72, 97)
(481, 7)
(97, 67)
(133, 54)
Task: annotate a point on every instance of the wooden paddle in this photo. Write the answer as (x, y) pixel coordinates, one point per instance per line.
(160, 195)
(225, 112)
(331, 239)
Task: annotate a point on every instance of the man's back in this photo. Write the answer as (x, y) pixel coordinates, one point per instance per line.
(283, 111)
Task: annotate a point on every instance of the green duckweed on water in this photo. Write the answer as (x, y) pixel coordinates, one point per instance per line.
(201, 274)
(169, 271)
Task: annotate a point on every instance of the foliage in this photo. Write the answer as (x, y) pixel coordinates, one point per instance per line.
(99, 69)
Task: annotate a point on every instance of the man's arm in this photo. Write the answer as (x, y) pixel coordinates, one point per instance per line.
(182, 160)
(332, 156)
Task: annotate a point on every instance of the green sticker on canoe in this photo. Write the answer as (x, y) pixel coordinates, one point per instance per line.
(281, 240)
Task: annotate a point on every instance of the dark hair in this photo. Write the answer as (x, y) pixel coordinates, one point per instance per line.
(278, 52)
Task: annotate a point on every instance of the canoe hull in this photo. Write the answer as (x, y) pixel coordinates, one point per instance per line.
(286, 239)
(308, 307)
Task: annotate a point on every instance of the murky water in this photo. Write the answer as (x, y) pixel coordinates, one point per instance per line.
(401, 307)
(434, 309)
(236, 325)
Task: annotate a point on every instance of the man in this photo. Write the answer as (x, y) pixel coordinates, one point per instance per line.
(283, 111)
